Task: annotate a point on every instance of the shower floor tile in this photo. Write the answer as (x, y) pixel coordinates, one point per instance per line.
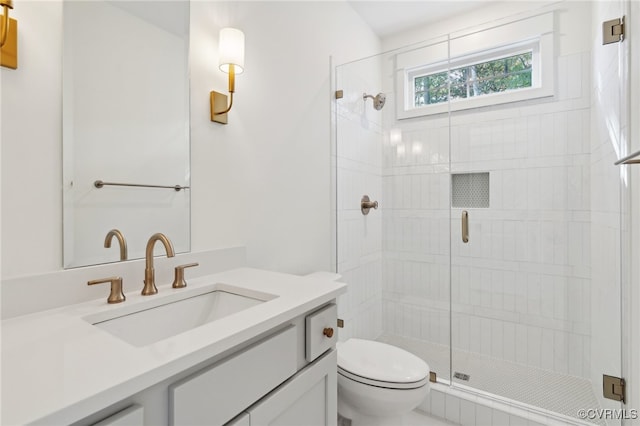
(545, 389)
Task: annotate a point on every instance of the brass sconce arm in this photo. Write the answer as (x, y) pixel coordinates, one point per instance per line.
(8, 37)
(219, 100)
(6, 5)
(228, 108)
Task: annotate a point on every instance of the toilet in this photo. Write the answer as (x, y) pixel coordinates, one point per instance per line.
(379, 384)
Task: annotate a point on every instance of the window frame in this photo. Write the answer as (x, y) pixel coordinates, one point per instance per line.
(457, 50)
(532, 47)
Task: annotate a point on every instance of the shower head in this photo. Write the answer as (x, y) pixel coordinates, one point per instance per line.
(378, 100)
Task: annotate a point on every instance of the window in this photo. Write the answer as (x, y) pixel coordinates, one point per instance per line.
(483, 66)
(494, 76)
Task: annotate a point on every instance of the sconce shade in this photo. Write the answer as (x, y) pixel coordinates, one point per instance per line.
(231, 50)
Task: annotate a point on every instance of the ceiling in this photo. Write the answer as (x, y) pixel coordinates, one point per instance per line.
(392, 16)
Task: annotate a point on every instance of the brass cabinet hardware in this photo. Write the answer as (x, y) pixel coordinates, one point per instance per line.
(149, 272)
(465, 226)
(121, 240)
(366, 204)
(178, 278)
(339, 94)
(340, 323)
(116, 295)
(100, 184)
(433, 377)
(328, 331)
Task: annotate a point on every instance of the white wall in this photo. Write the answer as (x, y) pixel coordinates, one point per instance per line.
(262, 181)
(488, 14)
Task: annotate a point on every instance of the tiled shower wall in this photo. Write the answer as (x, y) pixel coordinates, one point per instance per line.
(521, 287)
(359, 165)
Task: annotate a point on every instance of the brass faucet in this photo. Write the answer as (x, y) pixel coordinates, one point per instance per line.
(116, 295)
(123, 243)
(149, 272)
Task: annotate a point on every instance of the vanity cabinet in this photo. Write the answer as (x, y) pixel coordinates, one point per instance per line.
(286, 377)
(309, 398)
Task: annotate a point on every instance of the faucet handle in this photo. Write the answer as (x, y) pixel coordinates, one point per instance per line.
(116, 295)
(179, 281)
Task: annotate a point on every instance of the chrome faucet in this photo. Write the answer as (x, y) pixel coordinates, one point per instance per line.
(123, 243)
(149, 272)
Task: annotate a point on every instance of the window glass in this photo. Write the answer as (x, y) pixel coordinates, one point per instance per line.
(483, 78)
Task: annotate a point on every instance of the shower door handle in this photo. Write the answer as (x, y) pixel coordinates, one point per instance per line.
(465, 226)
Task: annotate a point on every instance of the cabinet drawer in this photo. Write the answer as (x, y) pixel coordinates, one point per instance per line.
(317, 339)
(133, 415)
(219, 393)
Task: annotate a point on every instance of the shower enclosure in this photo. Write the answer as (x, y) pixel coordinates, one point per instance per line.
(497, 251)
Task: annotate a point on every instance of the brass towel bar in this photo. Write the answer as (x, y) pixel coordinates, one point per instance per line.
(100, 184)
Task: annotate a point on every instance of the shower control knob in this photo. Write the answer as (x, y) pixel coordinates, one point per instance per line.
(366, 204)
(328, 331)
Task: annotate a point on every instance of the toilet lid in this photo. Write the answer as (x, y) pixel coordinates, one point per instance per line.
(381, 362)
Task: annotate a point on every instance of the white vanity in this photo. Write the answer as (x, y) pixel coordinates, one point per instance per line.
(242, 347)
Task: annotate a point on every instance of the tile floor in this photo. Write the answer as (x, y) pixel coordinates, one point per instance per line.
(545, 389)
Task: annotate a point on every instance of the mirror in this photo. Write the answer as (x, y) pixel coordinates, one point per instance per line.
(125, 121)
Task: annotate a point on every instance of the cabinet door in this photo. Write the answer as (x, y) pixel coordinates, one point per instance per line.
(217, 394)
(309, 398)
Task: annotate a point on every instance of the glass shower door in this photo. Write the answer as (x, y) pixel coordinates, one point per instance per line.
(535, 250)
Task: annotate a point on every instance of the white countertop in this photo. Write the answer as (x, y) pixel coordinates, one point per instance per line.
(58, 368)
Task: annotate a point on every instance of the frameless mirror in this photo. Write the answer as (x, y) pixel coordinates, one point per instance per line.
(125, 121)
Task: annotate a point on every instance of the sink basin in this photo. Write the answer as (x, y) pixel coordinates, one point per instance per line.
(152, 324)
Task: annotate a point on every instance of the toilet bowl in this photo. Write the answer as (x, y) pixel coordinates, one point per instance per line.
(379, 384)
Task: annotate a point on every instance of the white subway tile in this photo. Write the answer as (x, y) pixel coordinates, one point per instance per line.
(500, 418)
(467, 413)
(484, 415)
(517, 420)
(452, 408)
(437, 404)
(547, 349)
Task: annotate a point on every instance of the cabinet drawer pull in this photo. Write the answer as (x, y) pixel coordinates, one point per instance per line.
(328, 332)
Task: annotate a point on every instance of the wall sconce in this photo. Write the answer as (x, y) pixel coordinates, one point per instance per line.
(8, 37)
(231, 62)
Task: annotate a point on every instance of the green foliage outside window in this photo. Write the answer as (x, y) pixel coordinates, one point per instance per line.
(513, 72)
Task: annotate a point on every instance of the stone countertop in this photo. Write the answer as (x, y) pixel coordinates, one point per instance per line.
(58, 368)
